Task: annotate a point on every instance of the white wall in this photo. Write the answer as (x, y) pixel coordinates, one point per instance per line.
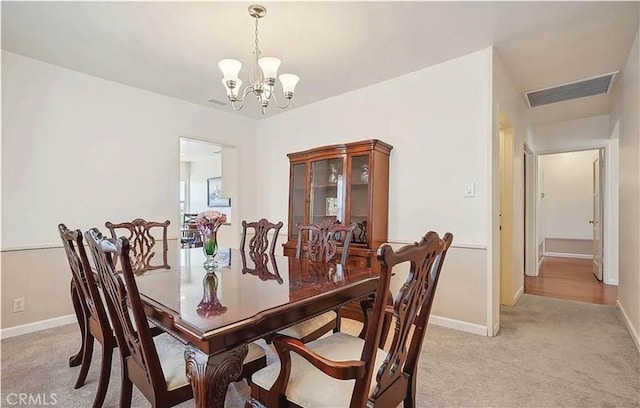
(201, 170)
(438, 120)
(83, 150)
(568, 194)
(113, 147)
(570, 135)
(625, 123)
(435, 116)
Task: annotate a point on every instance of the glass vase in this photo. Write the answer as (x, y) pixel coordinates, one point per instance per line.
(210, 248)
(333, 175)
(364, 176)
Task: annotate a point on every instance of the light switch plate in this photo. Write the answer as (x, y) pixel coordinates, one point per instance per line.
(470, 190)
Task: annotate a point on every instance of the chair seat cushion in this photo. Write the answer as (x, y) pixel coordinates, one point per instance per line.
(303, 329)
(171, 356)
(310, 387)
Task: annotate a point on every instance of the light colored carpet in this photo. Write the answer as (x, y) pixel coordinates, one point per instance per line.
(549, 353)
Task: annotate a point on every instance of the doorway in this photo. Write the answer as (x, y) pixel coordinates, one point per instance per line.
(208, 182)
(570, 231)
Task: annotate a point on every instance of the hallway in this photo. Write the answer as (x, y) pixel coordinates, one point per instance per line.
(570, 279)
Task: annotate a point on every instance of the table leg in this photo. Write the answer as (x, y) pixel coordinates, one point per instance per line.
(76, 359)
(210, 375)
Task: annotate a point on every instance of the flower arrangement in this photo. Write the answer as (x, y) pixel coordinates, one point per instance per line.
(208, 223)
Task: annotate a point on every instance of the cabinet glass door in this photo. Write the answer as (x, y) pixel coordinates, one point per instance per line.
(297, 197)
(359, 198)
(327, 190)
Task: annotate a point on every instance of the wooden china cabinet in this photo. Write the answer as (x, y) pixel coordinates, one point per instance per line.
(347, 183)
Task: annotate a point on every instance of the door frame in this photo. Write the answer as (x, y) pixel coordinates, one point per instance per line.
(506, 212)
(530, 217)
(610, 202)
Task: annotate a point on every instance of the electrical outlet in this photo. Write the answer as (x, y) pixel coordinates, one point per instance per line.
(18, 305)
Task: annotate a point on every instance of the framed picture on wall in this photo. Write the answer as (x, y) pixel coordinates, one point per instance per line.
(214, 187)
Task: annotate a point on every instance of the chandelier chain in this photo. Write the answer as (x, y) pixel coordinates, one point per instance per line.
(256, 32)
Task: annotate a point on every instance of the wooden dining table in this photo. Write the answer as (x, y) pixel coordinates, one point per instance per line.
(260, 295)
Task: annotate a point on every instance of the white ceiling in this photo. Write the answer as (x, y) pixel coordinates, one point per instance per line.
(173, 48)
(193, 150)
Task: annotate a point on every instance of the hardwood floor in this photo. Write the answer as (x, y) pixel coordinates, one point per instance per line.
(570, 279)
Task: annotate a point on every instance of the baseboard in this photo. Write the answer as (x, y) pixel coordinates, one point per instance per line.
(37, 326)
(627, 322)
(518, 294)
(458, 325)
(566, 255)
(539, 266)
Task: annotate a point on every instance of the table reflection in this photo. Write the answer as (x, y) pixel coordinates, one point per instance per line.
(210, 303)
(247, 285)
(262, 265)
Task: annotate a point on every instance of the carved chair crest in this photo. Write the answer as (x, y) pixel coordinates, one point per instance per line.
(323, 240)
(143, 242)
(259, 242)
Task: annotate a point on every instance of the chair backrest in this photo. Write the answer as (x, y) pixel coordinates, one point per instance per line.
(260, 241)
(83, 277)
(135, 342)
(324, 239)
(143, 242)
(189, 219)
(412, 305)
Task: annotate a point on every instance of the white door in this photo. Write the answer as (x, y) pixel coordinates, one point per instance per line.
(596, 221)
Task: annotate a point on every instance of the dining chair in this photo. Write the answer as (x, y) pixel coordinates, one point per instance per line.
(338, 370)
(157, 369)
(321, 246)
(93, 320)
(260, 242)
(189, 235)
(142, 238)
(323, 241)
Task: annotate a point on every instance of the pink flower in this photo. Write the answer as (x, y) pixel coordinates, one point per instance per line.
(210, 221)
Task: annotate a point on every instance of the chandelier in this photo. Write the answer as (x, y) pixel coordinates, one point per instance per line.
(262, 78)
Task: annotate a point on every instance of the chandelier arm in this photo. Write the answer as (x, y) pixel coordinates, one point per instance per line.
(245, 92)
(275, 98)
(233, 105)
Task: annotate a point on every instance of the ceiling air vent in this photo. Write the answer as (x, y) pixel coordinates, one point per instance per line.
(217, 102)
(573, 90)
